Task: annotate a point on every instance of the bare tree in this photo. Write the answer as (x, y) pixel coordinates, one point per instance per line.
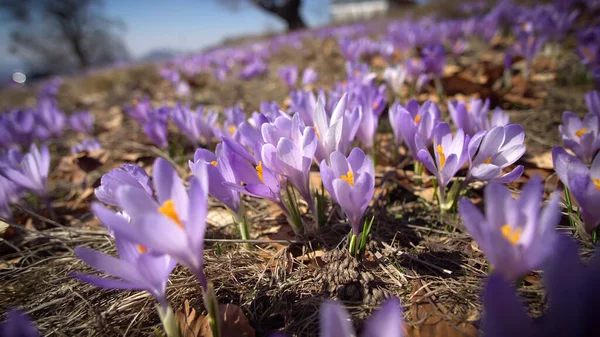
(60, 35)
(287, 10)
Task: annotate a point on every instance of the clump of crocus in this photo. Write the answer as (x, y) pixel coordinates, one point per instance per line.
(173, 223)
(289, 75)
(289, 150)
(309, 76)
(351, 183)
(82, 122)
(414, 120)
(137, 268)
(220, 172)
(571, 288)
(196, 126)
(472, 117)
(490, 152)
(334, 133)
(582, 182)
(449, 155)
(31, 172)
(50, 120)
(516, 235)
(86, 145)
(581, 136)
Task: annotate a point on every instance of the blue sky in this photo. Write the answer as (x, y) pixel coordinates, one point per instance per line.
(184, 25)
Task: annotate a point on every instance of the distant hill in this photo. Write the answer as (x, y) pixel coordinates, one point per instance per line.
(160, 55)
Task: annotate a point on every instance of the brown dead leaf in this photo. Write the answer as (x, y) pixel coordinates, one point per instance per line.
(542, 160)
(433, 318)
(233, 322)
(189, 322)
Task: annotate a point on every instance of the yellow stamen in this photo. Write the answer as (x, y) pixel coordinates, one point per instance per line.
(440, 150)
(141, 248)
(213, 163)
(356, 73)
(374, 106)
(487, 161)
(168, 209)
(349, 177)
(511, 235)
(135, 102)
(232, 129)
(317, 132)
(259, 171)
(596, 183)
(417, 119)
(580, 132)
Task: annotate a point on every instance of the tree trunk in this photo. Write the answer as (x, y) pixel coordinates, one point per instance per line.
(294, 20)
(288, 11)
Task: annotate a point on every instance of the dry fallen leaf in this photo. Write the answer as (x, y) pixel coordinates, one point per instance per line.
(434, 319)
(542, 160)
(233, 322)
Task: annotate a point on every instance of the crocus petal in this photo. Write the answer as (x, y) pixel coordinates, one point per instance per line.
(334, 320)
(108, 264)
(386, 321)
(504, 314)
(109, 283)
(511, 176)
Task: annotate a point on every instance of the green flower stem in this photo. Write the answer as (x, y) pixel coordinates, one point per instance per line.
(569, 203)
(352, 246)
(294, 218)
(212, 306)
(167, 317)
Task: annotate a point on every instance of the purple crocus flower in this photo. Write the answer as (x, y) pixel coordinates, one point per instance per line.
(18, 324)
(289, 150)
(18, 128)
(50, 119)
(528, 45)
(258, 180)
(434, 58)
(82, 122)
(309, 76)
(450, 153)
(233, 118)
(87, 145)
(140, 110)
(304, 103)
(580, 136)
(372, 102)
(337, 133)
(385, 322)
(156, 130)
(219, 172)
(572, 296)
(135, 269)
(127, 175)
(582, 181)
(289, 75)
(592, 100)
(472, 117)
(490, 152)
(174, 223)
(188, 122)
(395, 77)
(32, 173)
(255, 68)
(351, 183)
(414, 120)
(515, 234)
